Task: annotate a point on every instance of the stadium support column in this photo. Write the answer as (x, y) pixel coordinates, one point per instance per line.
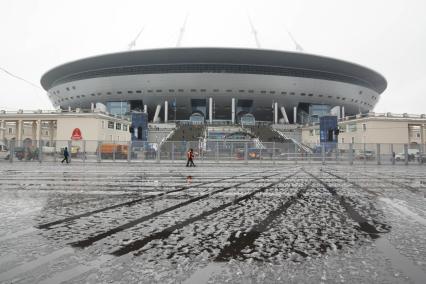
(275, 113)
(19, 130)
(233, 110)
(343, 112)
(295, 115)
(284, 115)
(145, 109)
(166, 111)
(157, 113)
(211, 110)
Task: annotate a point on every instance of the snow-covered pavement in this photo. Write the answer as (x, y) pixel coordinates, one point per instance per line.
(217, 223)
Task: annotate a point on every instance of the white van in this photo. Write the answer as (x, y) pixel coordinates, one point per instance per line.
(412, 153)
(4, 151)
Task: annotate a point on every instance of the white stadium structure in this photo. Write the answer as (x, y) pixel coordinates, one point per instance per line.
(216, 84)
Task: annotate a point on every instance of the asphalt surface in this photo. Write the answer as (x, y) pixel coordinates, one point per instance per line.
(126, 223)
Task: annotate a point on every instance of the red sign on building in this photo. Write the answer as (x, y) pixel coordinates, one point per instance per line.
(76, 134)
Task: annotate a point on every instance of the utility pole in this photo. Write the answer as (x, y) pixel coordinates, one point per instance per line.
(298, 46)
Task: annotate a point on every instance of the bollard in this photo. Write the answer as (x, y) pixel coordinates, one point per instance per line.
(351, 154)
(378, 155)
(323, 153)
(114, 149)
(217, 151)
(246, 153)
(365, 158)
(406, 153)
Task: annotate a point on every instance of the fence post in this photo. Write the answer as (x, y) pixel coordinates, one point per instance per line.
(40, 151)
(129, 151)
(99, 157)
(393, 156)
(246, 153)
(217, 151)
(12, 151)
(84, 151)
(114, 149)
(273, 152)
(351, 154)
(364, 156)
(158, 154)
(406, 153)
(69, 150)
(323, 153)
(379, 158)
(173, 152)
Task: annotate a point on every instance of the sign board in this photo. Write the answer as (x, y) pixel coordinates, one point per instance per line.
(76, 134)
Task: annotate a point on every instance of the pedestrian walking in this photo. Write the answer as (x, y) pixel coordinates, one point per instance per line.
(190, 157)
(66, 155)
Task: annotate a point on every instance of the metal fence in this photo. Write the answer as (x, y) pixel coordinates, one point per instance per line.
(213, 151)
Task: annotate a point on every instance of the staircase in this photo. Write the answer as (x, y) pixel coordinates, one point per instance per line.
(187, 133)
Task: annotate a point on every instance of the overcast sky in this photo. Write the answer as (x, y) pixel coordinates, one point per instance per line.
(387, 36)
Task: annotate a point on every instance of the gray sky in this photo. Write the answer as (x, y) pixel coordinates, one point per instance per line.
(387, 36)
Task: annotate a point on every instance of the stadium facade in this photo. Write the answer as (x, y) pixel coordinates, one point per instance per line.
(216, 84)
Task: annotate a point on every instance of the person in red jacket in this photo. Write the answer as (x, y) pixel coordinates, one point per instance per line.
(190, 157)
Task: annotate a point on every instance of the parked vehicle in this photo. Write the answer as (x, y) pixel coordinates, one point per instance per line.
(367, 155)
(26, 153)
(4, 152)
(109, 150)
(412, 154)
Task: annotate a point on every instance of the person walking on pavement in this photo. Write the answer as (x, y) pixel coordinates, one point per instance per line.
(190, 156)
(66, 155)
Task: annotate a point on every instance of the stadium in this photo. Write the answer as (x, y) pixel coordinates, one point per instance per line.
(216, 84)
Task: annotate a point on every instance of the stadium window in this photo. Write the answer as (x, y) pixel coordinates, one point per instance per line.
(73, 87)
(119, 92)
(130, 92)
(343, 99)
(241, 91)
(71, 98)
(68, 88)
(338, 98)
(118, 126)
(180, 90)
(311, 95)
(251, 91)
(303, 94)
(138, 92)
(83, 96)
(229, 91)
(203, 90)
(263, 92)
(92, 95)
(320, 96)
(99, 94)
(360, 92)
(292, 94)
(110, 125)
(171, 91)
(216, 90)
(108, 93)
(158, 91)
(77, 97)
(272, 92)
(149, 91)
(193, 90)
(330, 97)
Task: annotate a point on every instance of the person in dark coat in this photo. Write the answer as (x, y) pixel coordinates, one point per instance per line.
(66, 155)
(190, 156)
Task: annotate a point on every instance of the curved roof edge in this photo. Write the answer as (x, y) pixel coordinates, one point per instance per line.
(213, 55)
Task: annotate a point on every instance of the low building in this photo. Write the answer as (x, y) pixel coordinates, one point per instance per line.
(52, 127)
(375, 128)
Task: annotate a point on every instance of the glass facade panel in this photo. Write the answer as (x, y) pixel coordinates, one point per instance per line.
(118, 108)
